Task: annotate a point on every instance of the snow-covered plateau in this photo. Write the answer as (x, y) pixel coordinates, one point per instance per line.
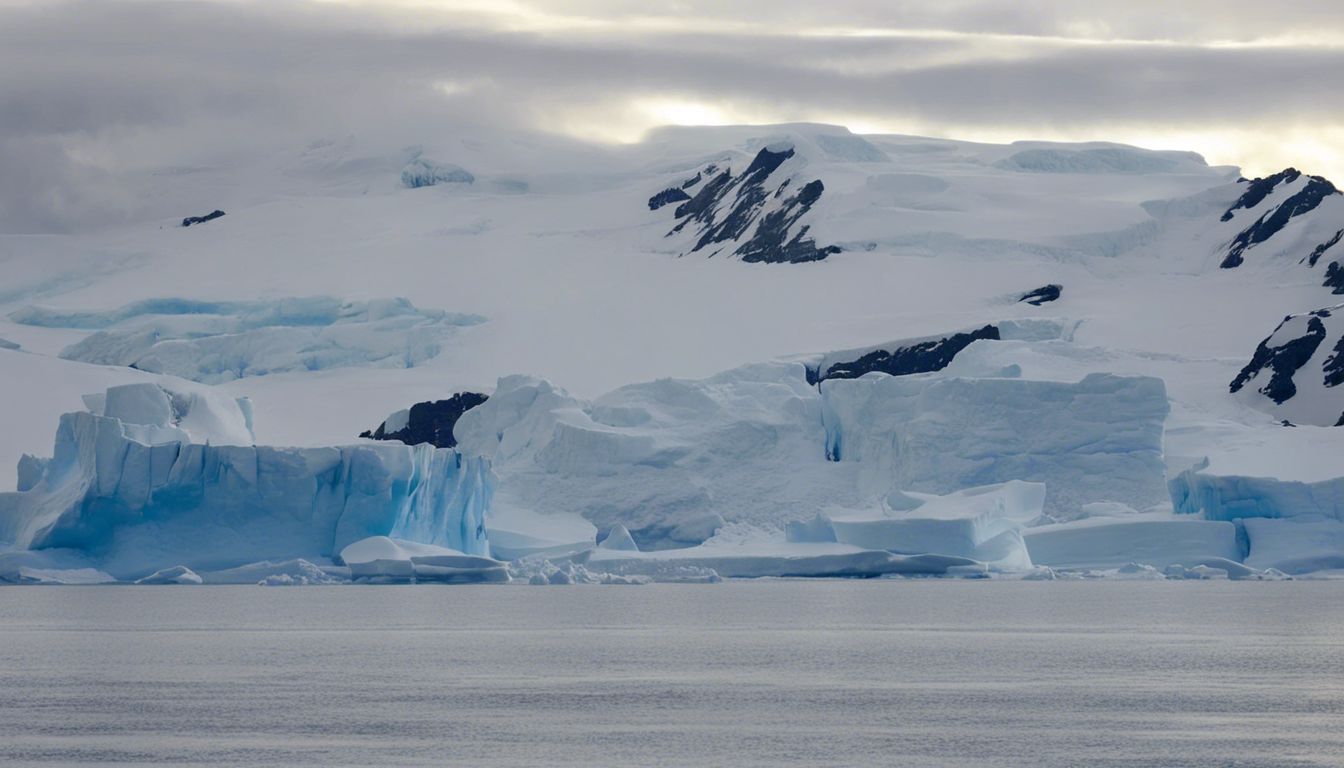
(723, 352)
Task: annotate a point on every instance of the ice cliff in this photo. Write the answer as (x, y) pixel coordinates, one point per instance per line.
(219, 341)
(149, 479)
(673, 460)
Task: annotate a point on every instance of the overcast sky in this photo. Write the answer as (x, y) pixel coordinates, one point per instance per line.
(91, 89)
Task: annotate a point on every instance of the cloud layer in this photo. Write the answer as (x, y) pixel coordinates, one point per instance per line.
(92, 90)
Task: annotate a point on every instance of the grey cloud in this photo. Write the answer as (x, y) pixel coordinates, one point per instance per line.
(122, 81)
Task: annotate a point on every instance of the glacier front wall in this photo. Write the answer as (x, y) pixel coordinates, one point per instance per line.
(672, 460)
(1233, 497)
(1098, 439)
(139, 497)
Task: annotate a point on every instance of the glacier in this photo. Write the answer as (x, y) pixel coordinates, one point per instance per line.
(1231, 496)
(672, 460)
(157, 478)
(219, 341)
(930, 378)
(1098, 439)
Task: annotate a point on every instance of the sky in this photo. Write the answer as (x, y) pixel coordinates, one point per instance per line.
(93, 89)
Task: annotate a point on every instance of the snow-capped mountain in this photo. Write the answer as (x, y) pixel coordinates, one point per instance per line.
(1298, 367)
(700, 342)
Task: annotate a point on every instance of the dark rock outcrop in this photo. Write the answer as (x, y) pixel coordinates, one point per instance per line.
(1303, 201)
(431, 422)
(769, 244)
(211, 216)
(1334, 365)
(1042, 295)
(733, 209)
(922, 357)
(1334, 277)
(668, 196)
(1283, 360)
(1258, 189)
(1323, 247)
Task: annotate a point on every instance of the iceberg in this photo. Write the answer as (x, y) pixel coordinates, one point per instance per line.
(673, 460)
(50, 566)
(1098, 439)
(1155, 539)
(1294, 546)
(68, 576)
(141, 485)
(296, 572)
(178, 574)
(779, 560)
(618, 538)
(1234, 496)
(669, 460)
(385, 559)
(981, 524)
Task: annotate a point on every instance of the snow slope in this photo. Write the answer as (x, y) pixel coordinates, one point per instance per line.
(814, 248)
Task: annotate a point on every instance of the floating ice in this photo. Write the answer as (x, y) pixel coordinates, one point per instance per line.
(1154, 539)
(1099, 439)
(296, 572)
(1234, 496)
(672, 460)
(618, 538)
(381, 558)
(178, 574)
(978, 523)
(70, 576)
(1297, 545)
(134, 486)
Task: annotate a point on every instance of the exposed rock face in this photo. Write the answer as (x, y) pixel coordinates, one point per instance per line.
(1299, 369)
(1334, 277)
(1304, 200)
(211, 216)
(428, 422)
(922, 357)
(1258, 189)
(752, 215)
(1323, 247)
(671, 195)
(1042, 295)
(1282, 358)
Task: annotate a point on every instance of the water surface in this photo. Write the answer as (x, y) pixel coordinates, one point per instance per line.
(945, 673)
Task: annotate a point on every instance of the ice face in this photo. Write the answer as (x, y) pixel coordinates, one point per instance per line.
(146, 496)
(421, 172)
(978, 523)
(1298, 545)
(1158, 540)
(220, 341)
(178, 574)
(671, 460)
(381, 558)
(1232, 496)
(1099, 439)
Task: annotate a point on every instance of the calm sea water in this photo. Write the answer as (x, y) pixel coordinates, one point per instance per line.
(944, 673)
